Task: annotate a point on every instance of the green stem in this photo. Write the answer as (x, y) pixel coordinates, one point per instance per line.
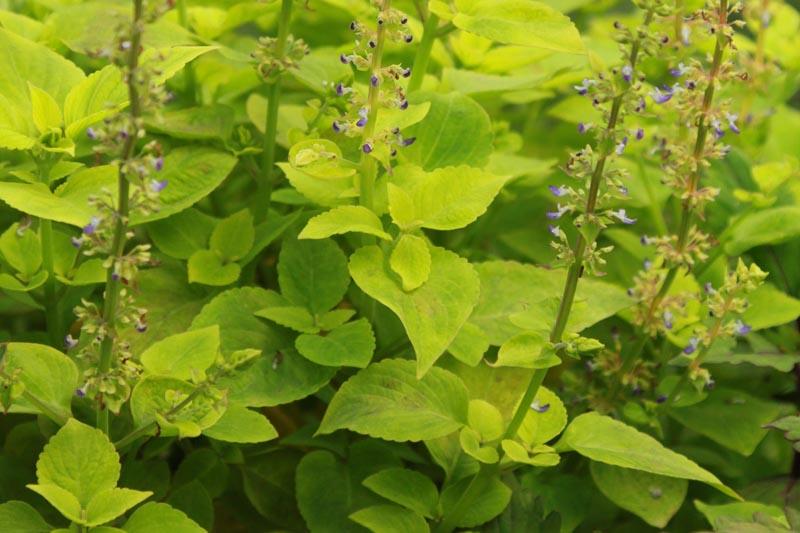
(51, 300)
(150, 426)
(191, 78)
(113, 281)
(576, 268)
(687, 211)
(423, 56)
(368, 164)
(271, 125)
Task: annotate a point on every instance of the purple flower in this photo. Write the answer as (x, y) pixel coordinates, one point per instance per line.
(583, 128)
(558, 213)
(623, 190)
(731, 118)
(70, 342)
(661, 398)
(404, 20)
(661, 96)
(583, 88)
(91, 227)
(374, 80)
(622, 216)
(408, 38)
(344, 59)
(741, 328)
(336, 127)
(409, 141)
(719, 133)
(158, 185)
(367, 148)
(158, 163)
(690, 348)
(678, 71)
(554, 230)
(404, 104)
(91, 133)
(141, 325)
(667, 316)
(371, 43)
(627, 73)
(641, 106)
(639, 134)
(558, 191)
(340, 89)
(540, 408)
(81, 392)
(354, 25)
(77, 242)
(406, 72)
(361, 122)
(621, 146)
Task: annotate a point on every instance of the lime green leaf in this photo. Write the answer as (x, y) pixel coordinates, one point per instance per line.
(351, 344)
(313, 274)
(471, 444)
(233, 237)
(434, 313)
(527, 350)
(37, 200)
(405, 487)
(169, 61)
(723, 516)
(493, 499)
(19, 517)
(540, 427)
(411, 260)
(520, 22)
(208, 268)
(768, 226)
(731, 418)
(335, 318)
(609, 441)
(60, 498)
(387, 518)
(455, 131)
(769, 307)
(79, 459)
(386, 400)
(111, 503)
(451, 198)
(325, 192)
(46, 112)
(469, 345)
(291, 316)
(98, 96)
(655, 499)
(484, 418)
(12, 140)
(22, 250)
(344, 219)
(183, 356)
(46, 373)
(160, 516)
(242, 425)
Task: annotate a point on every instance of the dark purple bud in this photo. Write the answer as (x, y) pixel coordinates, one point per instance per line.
(732, 122)
(158, 163)
(158, 185)
(77, 242)
(336, 127)
(640, 134)
(620, 148)
(374, 80)
(344, 59)
(540, 408)
(354, 25)
(367, 148)
(404, 20)
(668, 319)
(141, 326)
(627, 73)
(661, 96)
(741, 328)
(406, 72)
(645, 240)
(404, 104)
(371, 43)
(409, 141)
(361, 122)
(80, 393)
(678, 71)
(408, 38)
(690, 348)
(558, 191)
(582, 128)
(115, 276)
(91, 227)
(339, 89)
(661, 398)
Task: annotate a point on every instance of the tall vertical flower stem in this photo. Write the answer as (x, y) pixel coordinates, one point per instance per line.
(271, 126)
(369, 165)
(113, 282)
(423, 56)
(687, 210)
(579, 249)
(191, 79)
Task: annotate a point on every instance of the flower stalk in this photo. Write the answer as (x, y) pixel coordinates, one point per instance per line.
(423, 56)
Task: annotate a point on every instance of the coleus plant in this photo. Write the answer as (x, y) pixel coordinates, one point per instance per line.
(390, 266)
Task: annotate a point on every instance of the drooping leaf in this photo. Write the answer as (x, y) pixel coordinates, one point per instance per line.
(405, 487)
(19, 517)
(386, 400)
(313, 273)
(655, 499)
(233, 237)
(432, 314)
(344, 219)
(239, 424)
(768, 226)
(493, 499)
(183, 356)
(388, 518)
(325, 510)
(153, 516)
(612, 442)
(109, 504)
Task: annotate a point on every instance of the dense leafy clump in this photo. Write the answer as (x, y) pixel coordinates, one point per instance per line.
(399, 265)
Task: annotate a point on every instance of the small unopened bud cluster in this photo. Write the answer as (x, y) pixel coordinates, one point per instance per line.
(271, 63)
(619, 96)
